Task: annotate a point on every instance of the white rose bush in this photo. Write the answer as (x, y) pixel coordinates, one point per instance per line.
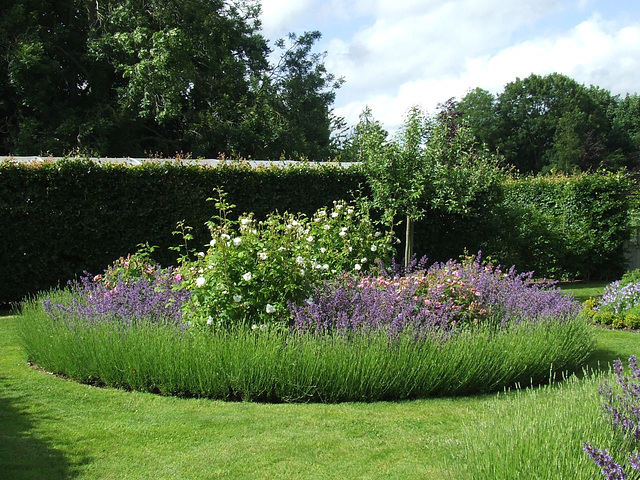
(252, 270)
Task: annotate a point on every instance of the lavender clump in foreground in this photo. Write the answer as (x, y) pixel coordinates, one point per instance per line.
(442, 298)
(139, 299)
(624, 411)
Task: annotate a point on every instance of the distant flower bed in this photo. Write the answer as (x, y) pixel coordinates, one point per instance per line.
(619, 305)
(302, 309)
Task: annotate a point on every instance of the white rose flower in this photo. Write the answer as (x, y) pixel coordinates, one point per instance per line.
(350, 248)
(301, 272)
(224, 236)
(323, 250)
(210, 320)
(245, 222)
(344, 229)
(237, 298)
(334, 214)
(326, 227)
(262, 256)
(342, 234)
(247, 277)
(201, 254)
(270, 308)
(310, 238)
(254, 327)
(339, 206)
(325, 267)
(212, 242)
(363, 260)
(349, 210)
(200, 281)
(373, 248)
(237, 241)
(357, 267)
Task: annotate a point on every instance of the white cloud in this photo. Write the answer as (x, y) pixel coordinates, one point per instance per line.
(278, 15)
(423, 52)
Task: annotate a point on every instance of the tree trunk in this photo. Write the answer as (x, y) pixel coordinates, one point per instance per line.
(408, 242)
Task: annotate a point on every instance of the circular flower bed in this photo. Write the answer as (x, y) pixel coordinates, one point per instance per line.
(301, 309)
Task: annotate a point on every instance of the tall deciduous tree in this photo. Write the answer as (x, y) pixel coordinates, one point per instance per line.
(133, 76)
(550, 122)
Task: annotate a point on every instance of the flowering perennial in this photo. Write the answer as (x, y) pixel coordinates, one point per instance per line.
(445, 297)
(137, 299)
(624, 411)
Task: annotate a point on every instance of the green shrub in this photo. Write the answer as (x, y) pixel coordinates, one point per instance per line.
(252, 269)
(618, 321)
(632, 321)
(604, 318)
(630, 277)
(564, 226)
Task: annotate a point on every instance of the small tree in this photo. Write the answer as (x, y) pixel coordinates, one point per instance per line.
(434, 163)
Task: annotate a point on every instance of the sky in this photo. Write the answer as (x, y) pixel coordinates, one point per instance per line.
(394, 54)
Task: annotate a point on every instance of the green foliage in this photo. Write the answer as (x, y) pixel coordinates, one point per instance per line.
(632, 320)
(630, 277)
(435, 164)
(564, 226)
(271, 364)
(553, 123)
(539, 435)
(253, 269)
(135, 77)
(65, 217)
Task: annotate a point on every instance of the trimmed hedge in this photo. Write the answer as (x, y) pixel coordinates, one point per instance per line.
(60, 218)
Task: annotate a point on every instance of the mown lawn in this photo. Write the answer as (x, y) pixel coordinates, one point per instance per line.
(53, 428)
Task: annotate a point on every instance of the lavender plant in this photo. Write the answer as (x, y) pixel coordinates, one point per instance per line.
(153, 297)
(623, 409)
(445, 297)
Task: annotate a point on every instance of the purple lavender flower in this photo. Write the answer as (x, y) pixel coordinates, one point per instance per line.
(442, 298)
(624, 411)
(609, 468)
(133, 300)
(624, 408)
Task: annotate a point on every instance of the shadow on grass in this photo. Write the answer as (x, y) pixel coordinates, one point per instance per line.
(601, 359)
(23, 454)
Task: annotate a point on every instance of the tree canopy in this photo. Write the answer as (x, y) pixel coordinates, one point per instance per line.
(552, 122)
(134, 77)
